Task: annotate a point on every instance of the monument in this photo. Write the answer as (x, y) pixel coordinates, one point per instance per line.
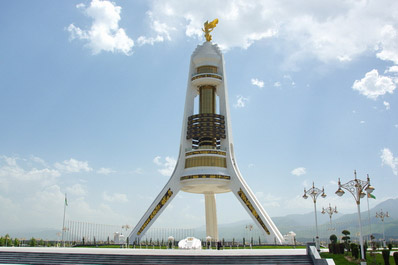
(206, 163)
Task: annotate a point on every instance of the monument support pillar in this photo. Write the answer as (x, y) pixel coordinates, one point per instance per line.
(211, 216)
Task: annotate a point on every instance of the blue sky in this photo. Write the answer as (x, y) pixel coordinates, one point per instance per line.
(92, 98)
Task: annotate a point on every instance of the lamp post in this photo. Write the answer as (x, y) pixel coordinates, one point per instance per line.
(382, 215)
(250, 228)
(357, 187)
(330, 210)
(314, 192)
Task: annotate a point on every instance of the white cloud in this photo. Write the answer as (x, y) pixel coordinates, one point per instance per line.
(388, 159)
(392, 69)
(257, 82)
(105, 33)
(73, 166)
(277, 84)
(333, 30)
(243, 22)
(77, 190)
(105, 171)
(362, 122)
(388, 44)
(396, 125)
(268, 200)
(386, 104)
(138, 171)
(168, 165)
(162, 31)
(240, 102)
(299, 171)
(30, 191)
(38, 160)
(115, 197)
(374, 85)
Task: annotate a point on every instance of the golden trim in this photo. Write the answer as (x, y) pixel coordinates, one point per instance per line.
(206, 115)
(249, 205)
(206, 69)
(206, 176)
(206, 161)
(162, 202)
(212, 152)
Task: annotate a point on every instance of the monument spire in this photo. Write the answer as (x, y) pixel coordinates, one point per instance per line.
(206, 163)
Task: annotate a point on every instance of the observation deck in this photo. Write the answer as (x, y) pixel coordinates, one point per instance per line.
(206, 79)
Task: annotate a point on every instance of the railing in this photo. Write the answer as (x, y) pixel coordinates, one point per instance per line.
(197, 76)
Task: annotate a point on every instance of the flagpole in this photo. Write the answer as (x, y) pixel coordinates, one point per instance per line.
(63, 222)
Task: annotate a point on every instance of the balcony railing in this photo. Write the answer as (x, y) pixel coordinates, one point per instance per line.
(206, 75)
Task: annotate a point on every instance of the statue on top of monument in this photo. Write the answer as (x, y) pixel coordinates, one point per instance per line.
(209, 28)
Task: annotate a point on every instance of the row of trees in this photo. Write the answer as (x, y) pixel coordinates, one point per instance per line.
(7, 241)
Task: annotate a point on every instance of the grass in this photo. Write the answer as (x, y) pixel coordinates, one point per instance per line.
(340, 259)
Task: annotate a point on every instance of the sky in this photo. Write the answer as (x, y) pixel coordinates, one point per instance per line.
(92, 97)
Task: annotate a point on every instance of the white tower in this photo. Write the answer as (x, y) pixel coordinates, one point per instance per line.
(206, 163)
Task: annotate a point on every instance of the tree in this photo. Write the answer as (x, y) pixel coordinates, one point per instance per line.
(16, 242)
(333, 239)
(32, 242)
(8, 240)
(346, 238)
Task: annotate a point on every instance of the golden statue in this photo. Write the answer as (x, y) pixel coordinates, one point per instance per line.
(209, 28)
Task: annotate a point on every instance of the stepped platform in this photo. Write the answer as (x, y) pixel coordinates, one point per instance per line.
(28, 255)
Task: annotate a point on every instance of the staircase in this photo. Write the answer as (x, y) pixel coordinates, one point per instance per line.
(12, 257)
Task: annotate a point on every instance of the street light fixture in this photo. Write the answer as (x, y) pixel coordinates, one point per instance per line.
(330, 210)
(357, 187)
(382, 215)
(250, 228)
(314, 192)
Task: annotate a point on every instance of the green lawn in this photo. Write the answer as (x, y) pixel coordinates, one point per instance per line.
(339, 259)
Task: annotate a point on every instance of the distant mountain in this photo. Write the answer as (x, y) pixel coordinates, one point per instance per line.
(45, 234)
(302, 224)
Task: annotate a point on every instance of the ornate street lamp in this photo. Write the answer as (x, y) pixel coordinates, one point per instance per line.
(357, 187)
(382, 215)
(314, 193)
(250, 228)
(330, 210)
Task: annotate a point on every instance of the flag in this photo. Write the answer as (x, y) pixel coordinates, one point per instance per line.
(66, 201)
(371, 196)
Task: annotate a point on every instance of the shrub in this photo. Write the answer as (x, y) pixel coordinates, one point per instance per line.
(333, 239)
(386, 256)
(395, 255)
(341, 248)
(354, 251)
